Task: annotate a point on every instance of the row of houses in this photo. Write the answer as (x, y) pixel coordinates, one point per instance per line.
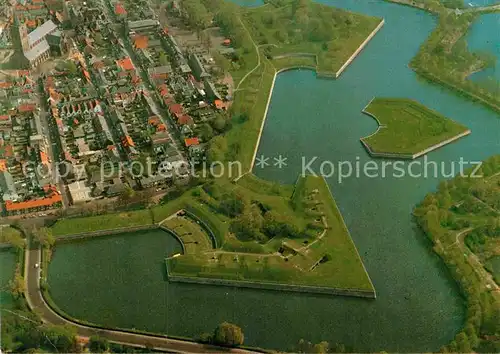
(25, 181)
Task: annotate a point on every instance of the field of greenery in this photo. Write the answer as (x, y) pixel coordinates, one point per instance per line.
(72, 226)
(408, 127)
(303, 26)
(300, 240)
(462, 221)
(444, 58)
(192, 235)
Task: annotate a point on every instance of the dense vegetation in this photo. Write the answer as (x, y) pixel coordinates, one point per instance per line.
(462, 221)
(408, 127)
(445, 58)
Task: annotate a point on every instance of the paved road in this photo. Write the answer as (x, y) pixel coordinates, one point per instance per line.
(38, 305)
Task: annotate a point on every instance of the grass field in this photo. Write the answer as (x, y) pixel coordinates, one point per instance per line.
(331, 34)
(408, 127)
(493, 265)
(288, 261)
(8, 233)
(71, 226)
(192, 235)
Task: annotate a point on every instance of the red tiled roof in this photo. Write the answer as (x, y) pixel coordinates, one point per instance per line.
(54, 198)
(119, 9)
(176, 109)
(141, 42)
(125, 64)
(127, 141)
(191, 141)
(27, 107)
(185, 119)
(154, 120)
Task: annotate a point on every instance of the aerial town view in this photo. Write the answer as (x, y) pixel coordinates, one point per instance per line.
(250, 176)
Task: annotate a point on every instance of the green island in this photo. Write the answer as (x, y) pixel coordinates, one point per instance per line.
(462, 219)
(408, 129)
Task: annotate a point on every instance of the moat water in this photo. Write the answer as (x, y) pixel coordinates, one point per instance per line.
(7, 268)
(120, 281)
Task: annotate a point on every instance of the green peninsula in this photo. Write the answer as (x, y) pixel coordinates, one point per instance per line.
(296, 242)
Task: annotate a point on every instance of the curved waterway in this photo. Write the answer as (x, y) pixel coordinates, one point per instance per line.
(119, 281)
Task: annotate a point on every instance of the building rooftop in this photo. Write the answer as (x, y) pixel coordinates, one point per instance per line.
(37, 50)
(132, 25)
(49, 201)
(165, 69)
(41, 31)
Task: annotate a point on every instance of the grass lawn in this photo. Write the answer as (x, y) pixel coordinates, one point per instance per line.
(299, 262)
(192, 235)
(7, 233)
(71, 226)
(493, 265)
(408, 127)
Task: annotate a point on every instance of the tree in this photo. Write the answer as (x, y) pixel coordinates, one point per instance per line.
(228, 334)
(62, 338)
(98, 344)
(71, 67)
(17, 286)
(12, 236)
(44, 236)
(247, 226)
(232, 204)
(321, 347)
(206, 132)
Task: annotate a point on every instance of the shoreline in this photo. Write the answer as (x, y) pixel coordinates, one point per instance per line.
(307, 289)
(360, 48)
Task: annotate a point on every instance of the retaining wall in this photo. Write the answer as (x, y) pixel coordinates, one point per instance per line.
(105, 232)
(369, 294)
(403, 156)
(360, 48)
(412, 156)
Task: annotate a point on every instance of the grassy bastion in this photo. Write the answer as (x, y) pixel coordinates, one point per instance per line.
(408, 129)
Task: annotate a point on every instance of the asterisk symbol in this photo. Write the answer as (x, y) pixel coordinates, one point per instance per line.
(262, 161)
(280, 161)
